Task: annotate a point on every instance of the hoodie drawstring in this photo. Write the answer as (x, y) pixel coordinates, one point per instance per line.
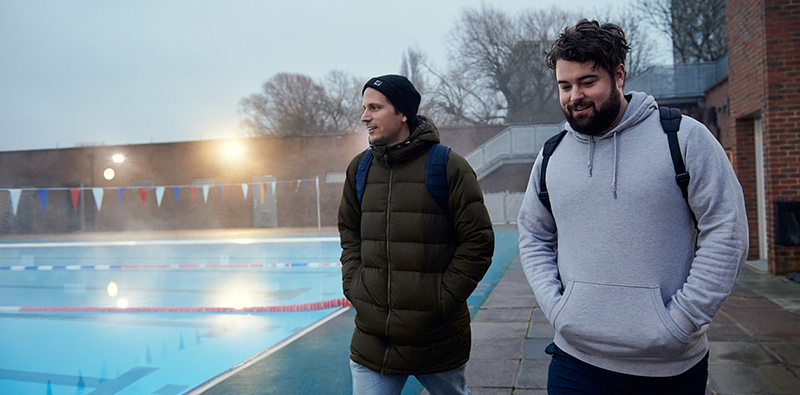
(614, 174)
(590, 155)
(590, 163)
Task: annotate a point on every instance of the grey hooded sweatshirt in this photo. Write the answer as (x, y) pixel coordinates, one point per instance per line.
(620, 270)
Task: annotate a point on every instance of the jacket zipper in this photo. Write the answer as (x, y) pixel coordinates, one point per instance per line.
(388, 269)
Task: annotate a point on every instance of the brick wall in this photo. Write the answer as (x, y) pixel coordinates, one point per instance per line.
(746, 92)
(170, 164)
(744, 19)
(175, 164)
(782, 117)
(764, 82)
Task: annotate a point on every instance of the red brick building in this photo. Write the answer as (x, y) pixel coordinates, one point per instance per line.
(764, 92)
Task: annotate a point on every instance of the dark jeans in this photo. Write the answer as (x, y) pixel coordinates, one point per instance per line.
(568, 375)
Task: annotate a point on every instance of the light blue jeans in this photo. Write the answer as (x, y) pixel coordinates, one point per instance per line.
(368, 382)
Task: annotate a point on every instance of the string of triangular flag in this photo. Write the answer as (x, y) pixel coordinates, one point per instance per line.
(98, 192)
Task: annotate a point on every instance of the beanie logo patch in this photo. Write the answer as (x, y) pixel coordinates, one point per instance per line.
(377, 83)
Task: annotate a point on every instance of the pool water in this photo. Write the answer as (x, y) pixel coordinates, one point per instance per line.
(52, 352)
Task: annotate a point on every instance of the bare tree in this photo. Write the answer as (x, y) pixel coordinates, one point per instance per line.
(411, 67)
(342, 102)
(696, 27)
(504, 54)
(458, 99)
(542, 27)
(643, 46)
(295, 105)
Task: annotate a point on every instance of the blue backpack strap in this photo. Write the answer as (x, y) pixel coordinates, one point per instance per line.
(549, 146)
(361, 173)
(436, 176)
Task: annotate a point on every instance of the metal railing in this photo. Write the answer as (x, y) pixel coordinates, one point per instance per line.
(679, 80)
(515, 144)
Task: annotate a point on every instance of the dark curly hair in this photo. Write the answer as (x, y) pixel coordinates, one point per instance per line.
(589, 41)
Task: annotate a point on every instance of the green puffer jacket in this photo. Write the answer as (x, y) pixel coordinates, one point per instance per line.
(408, 267)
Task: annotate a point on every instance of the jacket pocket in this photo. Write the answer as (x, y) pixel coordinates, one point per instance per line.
(618, 321)
(359, 289)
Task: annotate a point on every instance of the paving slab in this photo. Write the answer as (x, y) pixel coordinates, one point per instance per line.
(768, 324)
(540, 326)
(533, 374)
(509, 300)
(519, 314)
(491, 391)
(788, 352)
(534, 348)
(497, 373)
(723, 328)
(739, 353)
(729, 379)
(496, 330)
(494, 348)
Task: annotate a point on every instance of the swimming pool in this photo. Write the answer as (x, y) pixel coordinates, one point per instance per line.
(178, 343)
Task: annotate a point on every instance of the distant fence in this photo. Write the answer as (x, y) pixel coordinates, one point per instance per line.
(73, 209)
(503, 207)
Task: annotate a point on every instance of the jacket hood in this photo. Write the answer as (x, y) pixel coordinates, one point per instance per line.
(420, 139)
(640, 106)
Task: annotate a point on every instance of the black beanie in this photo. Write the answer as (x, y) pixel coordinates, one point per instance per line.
(401, 92)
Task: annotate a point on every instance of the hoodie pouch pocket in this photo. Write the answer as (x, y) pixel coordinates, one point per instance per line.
(618, 321)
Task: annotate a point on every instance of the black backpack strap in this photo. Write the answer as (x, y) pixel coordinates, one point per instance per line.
(549, 146)
(671, 122)
(436, 176)
(361, 173)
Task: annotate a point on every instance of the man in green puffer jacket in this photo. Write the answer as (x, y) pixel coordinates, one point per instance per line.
(407, 265)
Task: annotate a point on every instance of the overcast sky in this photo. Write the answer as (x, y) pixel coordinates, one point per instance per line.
(130, 72)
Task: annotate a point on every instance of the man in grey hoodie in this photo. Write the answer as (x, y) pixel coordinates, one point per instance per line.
(621, 269)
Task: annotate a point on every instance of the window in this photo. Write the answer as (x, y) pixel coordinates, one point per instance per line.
(335, 177)
(203, 181)
(142, 183)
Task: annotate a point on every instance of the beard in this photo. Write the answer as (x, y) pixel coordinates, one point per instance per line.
(600, 120)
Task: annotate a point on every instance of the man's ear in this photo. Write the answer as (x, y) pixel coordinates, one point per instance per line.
(404, 119)
(619, 76)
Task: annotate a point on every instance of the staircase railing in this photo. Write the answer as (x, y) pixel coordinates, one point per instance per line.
(515, 144)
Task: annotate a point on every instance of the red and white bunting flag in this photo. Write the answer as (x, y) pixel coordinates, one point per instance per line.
(205, 193)
(98, 197)
(143, 195)
(76, 193)
(159, 195)
(14, 199)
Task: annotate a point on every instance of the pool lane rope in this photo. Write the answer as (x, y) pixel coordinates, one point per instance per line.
(315, 306)
(172, 266)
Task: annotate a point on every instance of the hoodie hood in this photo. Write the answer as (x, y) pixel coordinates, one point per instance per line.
(640, 106)
(420, 139)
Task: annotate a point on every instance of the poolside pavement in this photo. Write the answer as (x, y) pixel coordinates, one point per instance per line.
(754, 339)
